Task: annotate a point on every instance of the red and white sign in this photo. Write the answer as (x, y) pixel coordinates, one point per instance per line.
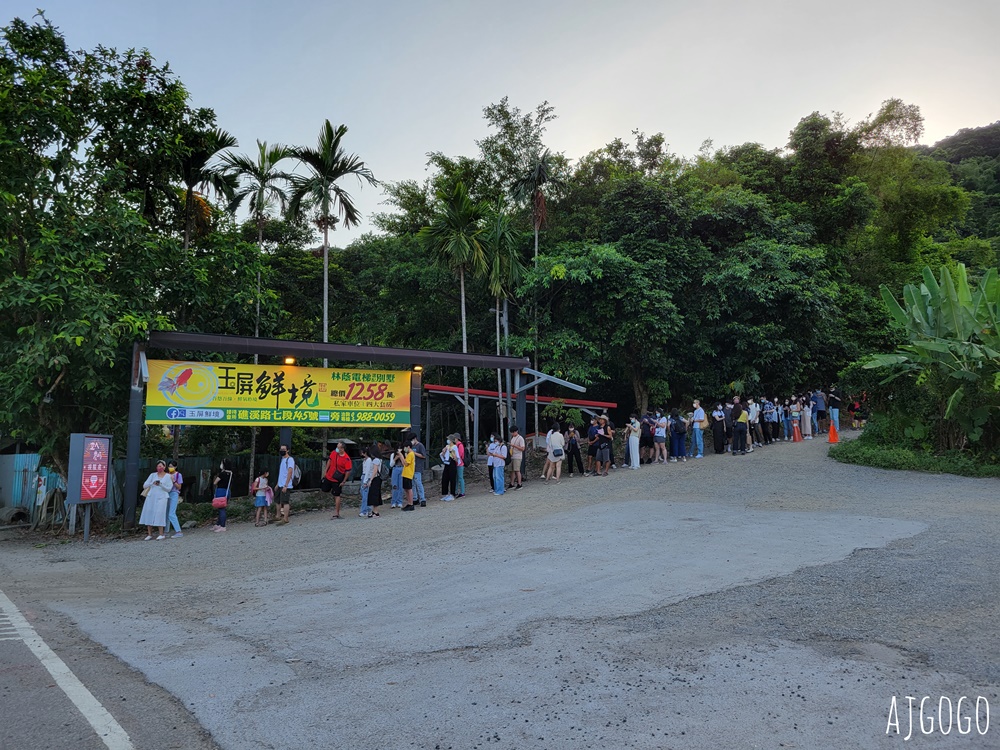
(94, 480)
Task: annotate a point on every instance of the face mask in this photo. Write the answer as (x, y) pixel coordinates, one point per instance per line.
(658, 414)
(172, 470)
(282, 453)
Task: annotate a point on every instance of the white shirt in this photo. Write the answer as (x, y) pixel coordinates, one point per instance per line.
(366, 471)
(285, 477)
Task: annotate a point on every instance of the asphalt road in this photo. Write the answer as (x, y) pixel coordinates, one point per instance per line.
(774, 600)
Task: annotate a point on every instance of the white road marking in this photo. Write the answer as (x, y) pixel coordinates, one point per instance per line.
(109, 730)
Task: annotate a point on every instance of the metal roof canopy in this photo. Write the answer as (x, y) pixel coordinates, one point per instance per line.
(209, 342)
(585, 406)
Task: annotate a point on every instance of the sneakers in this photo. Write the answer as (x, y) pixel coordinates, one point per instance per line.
(699, 456)
(423, 503)
(161, 536)
(178, 535)
(364, 515)
(673, 460)
(282, 522)
(447, 498)
(407, 507)
(147, 538)
(221, 528)
(462, 494)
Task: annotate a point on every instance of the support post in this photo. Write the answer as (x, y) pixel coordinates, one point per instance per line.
(521, 403)
(86, 521)
(416, 394)
(131, 495)
(427, 418)
(285, 438)
(475, 430)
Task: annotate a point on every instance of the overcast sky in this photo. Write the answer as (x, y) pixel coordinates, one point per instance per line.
(408, 77)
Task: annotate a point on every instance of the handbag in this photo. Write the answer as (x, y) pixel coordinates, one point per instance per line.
(557, 452)
(221, 501)
(145, 491)
(339, 476)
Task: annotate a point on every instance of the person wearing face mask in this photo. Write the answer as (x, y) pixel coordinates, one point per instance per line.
(660, 438)
(175, 497)
(698, 422)
(718, 425)
(154, 507)
(449, 477)
(496, 459)
(634, 433)
(286, 471)
(338, 472)
(223, 484)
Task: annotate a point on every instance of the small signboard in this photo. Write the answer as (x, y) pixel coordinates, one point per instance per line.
(89, 478)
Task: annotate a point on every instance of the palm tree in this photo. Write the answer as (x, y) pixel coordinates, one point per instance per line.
(454, 237)
(199, 175)
(505, 269)
(528, 188)
(326, 165)
(262, 186)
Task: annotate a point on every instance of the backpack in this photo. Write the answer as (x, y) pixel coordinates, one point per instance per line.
(296, 476)
(508, 458)
(680, 427)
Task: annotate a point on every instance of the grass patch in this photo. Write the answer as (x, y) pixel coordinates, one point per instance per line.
(866, 453)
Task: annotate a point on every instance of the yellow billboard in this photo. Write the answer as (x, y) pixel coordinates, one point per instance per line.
(220, 393)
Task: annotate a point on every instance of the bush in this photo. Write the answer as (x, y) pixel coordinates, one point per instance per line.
(868, 452)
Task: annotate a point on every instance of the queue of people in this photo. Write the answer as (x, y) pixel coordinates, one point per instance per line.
(734, 426)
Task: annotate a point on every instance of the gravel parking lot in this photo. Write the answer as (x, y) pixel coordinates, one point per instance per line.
(774, 600)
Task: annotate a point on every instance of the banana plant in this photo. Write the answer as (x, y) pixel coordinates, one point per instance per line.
(953, 347)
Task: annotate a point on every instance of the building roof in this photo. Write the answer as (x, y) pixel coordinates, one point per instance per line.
(576, 402)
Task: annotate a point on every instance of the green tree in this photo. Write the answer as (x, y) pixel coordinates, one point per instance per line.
(505, 268)
(455, 238)
(90, 143)
(318, 189)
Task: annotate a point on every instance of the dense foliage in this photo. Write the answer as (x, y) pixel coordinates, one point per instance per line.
(657, 278)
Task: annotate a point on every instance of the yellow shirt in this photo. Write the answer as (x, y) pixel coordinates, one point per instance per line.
(409, 465)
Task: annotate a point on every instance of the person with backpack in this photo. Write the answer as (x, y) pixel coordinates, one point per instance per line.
(374, 486)
(646, 446)
(678, 437)
(605, 434)
(460, 470)
(286, 480)
(338, 473)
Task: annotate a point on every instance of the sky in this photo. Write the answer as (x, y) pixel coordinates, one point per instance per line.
(408, 77)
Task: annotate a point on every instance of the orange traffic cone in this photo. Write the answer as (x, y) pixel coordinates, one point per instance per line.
(833, 437)
(796, 433)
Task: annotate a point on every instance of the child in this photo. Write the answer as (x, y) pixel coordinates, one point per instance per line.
(261, 501)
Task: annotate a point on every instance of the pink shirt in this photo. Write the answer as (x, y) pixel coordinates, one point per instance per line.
(461, 453)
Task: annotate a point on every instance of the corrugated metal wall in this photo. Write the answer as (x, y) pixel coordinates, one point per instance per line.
(19, 477)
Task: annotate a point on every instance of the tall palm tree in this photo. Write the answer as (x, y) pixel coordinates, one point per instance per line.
(505, 268)
(199, 174)
(454, 237)
(325, 165)
(262, 185)
(528, 189)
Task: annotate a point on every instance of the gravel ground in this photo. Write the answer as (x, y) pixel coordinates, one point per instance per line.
(774, 600)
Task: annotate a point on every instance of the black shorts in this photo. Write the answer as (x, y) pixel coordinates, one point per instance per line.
(592, 450)
(407, 483)
(336, 489)
(646, 441)
(821, 414)
(282, 498)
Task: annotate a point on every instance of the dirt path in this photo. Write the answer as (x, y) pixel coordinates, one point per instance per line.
(774, 599)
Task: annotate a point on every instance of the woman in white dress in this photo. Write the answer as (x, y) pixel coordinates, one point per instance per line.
(556, 452)
(154, 510)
